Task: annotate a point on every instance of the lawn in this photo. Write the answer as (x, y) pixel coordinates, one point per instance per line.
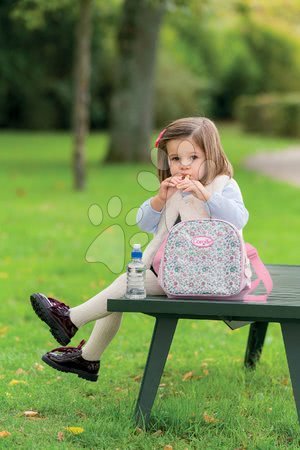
(46, 230)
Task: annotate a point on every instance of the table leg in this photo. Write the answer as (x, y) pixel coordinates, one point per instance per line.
(163, 333)
(255, 343)
(291, 337)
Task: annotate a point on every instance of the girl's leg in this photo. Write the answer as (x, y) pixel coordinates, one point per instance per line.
(95, 308)
(103, 332)
(106, 327)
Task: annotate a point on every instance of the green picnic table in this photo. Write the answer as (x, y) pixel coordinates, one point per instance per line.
(282, 305)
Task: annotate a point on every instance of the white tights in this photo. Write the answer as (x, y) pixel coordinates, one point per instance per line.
(107, 323)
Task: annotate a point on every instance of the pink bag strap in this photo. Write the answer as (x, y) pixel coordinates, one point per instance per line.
(262, 273)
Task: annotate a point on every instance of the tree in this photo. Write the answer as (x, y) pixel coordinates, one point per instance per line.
(33, 13)
(132, 100)
(82, 69)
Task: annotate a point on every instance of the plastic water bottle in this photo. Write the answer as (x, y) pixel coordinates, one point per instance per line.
(136, 272)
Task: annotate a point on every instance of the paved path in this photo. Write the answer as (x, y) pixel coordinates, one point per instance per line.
(282, 165)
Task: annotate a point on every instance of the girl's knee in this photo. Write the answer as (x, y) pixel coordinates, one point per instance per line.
(119, 285)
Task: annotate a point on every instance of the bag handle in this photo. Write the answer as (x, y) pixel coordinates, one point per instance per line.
(262, 273)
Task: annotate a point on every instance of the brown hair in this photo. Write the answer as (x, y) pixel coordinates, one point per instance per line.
(205, 134)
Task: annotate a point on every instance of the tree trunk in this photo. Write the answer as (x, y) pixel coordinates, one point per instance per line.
(82, 69)
(132, 100)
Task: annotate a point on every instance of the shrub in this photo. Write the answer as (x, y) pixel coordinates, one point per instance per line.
(277, 114)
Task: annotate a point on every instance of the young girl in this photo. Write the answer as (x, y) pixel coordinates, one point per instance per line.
(195, 182)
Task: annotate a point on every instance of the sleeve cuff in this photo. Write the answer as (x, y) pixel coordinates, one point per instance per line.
(212, 199)
(154, 210)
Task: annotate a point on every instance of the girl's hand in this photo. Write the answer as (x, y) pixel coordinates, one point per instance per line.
(195, 187)
(168, 187)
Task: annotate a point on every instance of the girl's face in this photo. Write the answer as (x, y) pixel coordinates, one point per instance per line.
(186, 158)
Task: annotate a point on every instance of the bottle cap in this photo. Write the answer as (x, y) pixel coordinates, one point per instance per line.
(136, 251)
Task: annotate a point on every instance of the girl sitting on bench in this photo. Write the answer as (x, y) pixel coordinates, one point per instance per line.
(191, 160)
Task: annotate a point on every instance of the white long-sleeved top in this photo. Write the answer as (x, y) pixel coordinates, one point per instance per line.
(228, 205)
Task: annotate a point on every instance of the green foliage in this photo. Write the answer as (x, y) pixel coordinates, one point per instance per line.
(35, 78)
(33, 12)
(277, 114)
(184, 86)
(210, 53)
(177, 96)
(37, 62)
(277, 54)
(239, 73)
(234, 52)
(257, 60)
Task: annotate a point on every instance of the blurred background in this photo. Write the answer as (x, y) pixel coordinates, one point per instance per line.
(85, 86)
(137, 65)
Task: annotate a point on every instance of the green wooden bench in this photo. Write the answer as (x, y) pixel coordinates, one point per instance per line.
(283, 306)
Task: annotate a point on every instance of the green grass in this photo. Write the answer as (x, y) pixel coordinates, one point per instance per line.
(44, 234)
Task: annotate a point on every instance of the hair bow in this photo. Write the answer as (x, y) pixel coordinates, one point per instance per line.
(159, 137)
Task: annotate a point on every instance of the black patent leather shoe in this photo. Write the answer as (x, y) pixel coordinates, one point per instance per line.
(56, 315)
(69, 359)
